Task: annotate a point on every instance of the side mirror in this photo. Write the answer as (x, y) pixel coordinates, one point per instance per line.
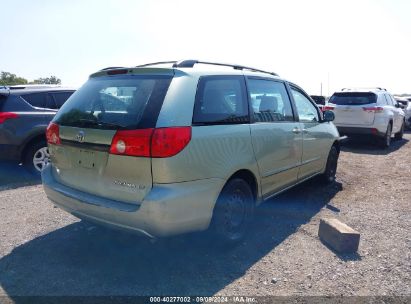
(397, 105)
(328, 116)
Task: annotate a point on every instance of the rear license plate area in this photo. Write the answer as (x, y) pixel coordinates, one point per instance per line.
(86, 159)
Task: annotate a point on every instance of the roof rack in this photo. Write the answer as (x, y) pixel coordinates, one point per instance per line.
(190, 63)
(33, 86)
(155, 63)
(371, 88)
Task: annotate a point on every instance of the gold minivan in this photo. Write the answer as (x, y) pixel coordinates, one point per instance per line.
(175, 147)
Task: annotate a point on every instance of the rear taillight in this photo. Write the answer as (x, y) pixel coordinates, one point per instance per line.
(373, 109)
(132, 142)
(53, 134)
(168, 142)
(328, 108)
(161, 142)
(7, 115)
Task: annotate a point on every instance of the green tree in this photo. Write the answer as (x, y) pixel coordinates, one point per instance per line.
(11, 79)
(48, 80)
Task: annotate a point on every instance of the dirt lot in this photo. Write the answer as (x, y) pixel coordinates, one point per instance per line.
(44, 251)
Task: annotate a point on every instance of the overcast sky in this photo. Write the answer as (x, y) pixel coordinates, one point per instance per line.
(337, 43)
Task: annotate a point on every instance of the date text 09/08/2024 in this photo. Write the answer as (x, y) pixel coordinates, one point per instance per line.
(216, 299)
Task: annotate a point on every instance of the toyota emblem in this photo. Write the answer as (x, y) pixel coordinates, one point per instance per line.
(80, 136)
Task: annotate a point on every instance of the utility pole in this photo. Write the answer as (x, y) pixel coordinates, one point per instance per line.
(328, 84)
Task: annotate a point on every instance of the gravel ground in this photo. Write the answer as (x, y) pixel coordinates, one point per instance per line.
(45, 251)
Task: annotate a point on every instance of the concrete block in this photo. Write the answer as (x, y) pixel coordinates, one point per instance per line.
(338, 235)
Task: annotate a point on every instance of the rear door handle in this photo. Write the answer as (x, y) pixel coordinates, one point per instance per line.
(305, 131)
(296, 131)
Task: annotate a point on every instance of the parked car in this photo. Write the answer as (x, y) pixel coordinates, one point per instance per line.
(406, 106)
(195, 146)
(367, 112)
(25, 112)
(407, 112)
(319, 100)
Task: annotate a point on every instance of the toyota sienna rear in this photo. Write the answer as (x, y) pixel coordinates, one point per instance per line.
(167, 150)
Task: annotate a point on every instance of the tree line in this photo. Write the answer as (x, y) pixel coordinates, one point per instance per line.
(8, 79)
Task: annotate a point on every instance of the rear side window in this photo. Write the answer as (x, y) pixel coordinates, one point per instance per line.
(57, 99)
(221, 100)
(121, 102)
(38, 100)
(270, 101)
(353, 98)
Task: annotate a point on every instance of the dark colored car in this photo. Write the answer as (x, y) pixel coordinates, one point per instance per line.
(319, 100)
(25, 112)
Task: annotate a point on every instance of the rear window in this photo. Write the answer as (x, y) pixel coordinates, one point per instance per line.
(357, 98)
(121, 102)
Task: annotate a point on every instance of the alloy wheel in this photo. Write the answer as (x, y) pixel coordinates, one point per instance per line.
(41, 158)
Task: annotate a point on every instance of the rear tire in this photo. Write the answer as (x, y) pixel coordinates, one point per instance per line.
(399, 135)
(233, 212)
(36, 157)
(328, 176)
(386, 140)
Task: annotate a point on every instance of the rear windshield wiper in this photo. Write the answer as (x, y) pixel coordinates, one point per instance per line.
(101, 123)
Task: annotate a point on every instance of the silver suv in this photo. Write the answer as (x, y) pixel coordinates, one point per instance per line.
(369, 112)
(169, 148)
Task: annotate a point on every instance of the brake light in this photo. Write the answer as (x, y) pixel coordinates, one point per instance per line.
(328, 108)
(7, 115)
(373, 109)
(132, 142)
(161, 142)
(168, 142)
(117, 72)
(53, 134)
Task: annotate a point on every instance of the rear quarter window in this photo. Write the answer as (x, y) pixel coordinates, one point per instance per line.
(38, 100)
(221, 100)
(57, 99)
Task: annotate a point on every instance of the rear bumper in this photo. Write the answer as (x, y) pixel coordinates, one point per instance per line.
(9, 152)
(359, 131)
(168, 209)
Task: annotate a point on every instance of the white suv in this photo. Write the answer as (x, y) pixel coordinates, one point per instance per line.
(370, 112)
